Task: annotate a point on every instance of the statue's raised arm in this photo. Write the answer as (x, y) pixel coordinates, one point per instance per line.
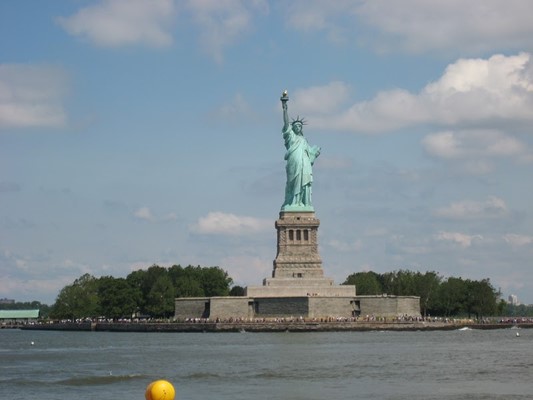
(300, 158)
(284, 99)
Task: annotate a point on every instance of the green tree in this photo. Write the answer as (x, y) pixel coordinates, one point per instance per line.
(143, 282)
(438, 296)
(116, 297)
(136, 281)
(153, 274)
(451, 297)
(366, 283)
(176, 272)
(502, 307)
(426, 286)
(187, 281)
(189, 286)
(160, 300)
(482, 298)
(519, 310)
(399, 283)
(215, 281)
(236, 291)
(79, 300)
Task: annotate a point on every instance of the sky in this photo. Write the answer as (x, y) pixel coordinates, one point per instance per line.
(141, 132)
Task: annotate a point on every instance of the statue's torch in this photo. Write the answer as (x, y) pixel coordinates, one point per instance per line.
(284, 99)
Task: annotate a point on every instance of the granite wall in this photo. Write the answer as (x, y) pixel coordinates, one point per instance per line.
(192, 307)
(269, 307)
(389, 306)
(331, 307)
(230, 307)
(224, 308)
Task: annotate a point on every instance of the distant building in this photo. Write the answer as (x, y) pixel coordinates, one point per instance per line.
(7, 301)
(18, 316)
(513, 300)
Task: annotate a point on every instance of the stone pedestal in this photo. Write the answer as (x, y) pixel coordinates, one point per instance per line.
(297, 254)
(298, 267)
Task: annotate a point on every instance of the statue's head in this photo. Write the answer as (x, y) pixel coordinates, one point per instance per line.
(298, 125)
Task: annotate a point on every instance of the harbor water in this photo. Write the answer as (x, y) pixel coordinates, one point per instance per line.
(461, 364)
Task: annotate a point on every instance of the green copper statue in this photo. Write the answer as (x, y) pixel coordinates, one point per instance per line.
(300, 158)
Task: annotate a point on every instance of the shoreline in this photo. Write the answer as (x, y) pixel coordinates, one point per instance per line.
(201, 327)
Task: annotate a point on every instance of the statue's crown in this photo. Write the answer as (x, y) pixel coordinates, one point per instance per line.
(299, 120)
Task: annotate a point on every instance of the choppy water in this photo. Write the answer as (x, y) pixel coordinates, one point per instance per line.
(289, 366)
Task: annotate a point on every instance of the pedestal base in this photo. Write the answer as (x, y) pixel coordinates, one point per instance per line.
(279, 287)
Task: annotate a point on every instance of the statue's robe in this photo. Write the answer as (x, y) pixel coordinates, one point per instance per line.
(300, 158)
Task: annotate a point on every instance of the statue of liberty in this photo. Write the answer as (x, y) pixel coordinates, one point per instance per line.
(300, 158)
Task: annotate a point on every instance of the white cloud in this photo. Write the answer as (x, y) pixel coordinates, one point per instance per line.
(475, 148)
(475, 25)
(32, 96)
(223, 22)
(473, 93)
(471, 89)
(144, 213)
(473, 143)
(493, 207)
(230, 224)
(461, 239)
(112, 23)
(518, 240)
(419, 25)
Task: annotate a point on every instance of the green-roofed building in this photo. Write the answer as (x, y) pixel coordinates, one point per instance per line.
(18, 316)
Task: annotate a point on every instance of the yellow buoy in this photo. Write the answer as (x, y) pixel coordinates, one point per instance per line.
(160, 390)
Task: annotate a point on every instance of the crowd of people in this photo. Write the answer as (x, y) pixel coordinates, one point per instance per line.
(361, 319)
(300, 319)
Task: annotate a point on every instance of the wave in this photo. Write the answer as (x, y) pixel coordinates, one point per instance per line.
(99, 380)
(203, 375)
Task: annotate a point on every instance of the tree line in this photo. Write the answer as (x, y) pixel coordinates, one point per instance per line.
(438, 295)
(151, 292)
(148, 292)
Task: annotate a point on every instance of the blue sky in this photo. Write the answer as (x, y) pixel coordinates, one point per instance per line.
(135, 132)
